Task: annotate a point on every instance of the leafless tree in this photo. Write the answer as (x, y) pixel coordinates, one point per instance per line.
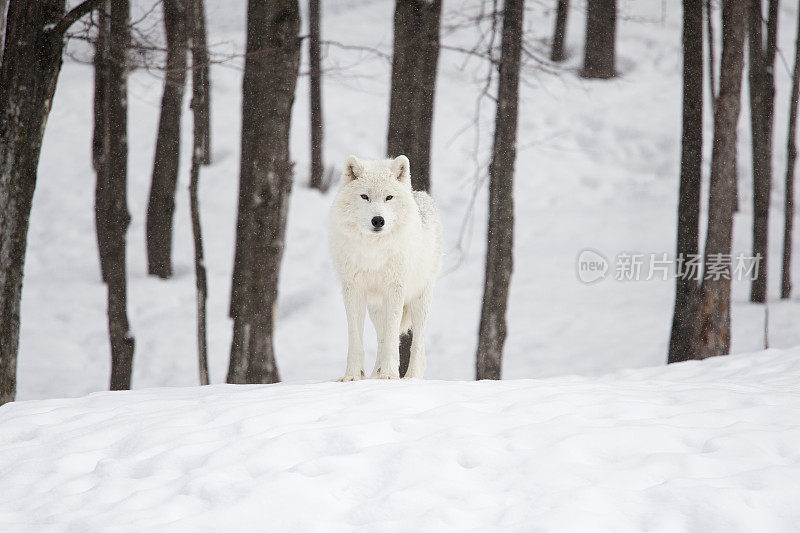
(161, 206)
(762, 95)
(270, 76)
(28, 75)
(499, 251)
(111, 161)
(200, 150)
(315, 83)
(201, 80)
(791, 159)
(414, 63)
(714, 308)
(686, 288)
(712, 76)
(600, 45)
(560, 32)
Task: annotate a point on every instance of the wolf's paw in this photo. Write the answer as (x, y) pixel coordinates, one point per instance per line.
(352, 377)
(413, 375)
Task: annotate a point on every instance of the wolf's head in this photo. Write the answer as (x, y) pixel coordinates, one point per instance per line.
(375, 197)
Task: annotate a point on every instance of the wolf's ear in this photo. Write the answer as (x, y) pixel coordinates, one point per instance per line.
(401, 169)
(352, 169)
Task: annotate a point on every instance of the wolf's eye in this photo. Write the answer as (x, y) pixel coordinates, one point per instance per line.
(365, 197)
(389, 197)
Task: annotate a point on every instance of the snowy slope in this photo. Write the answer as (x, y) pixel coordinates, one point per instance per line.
(701, 447)
(597, 167)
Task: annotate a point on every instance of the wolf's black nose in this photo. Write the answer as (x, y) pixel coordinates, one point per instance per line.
(377, 222)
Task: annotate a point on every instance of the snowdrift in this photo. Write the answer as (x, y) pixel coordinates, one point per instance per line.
(701, 446)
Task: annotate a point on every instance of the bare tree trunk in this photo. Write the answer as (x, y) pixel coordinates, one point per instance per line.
(714, 315)
(560, 32)
(500, 245)
(315, 81)
(28, 76)
(600, 46)
(110, 151)
(712, 69)
(270, 76)
(414, 63)
(27, 82)
(101, 138)
(201, 78)
(686, 289)
(199, 150)
(165, 167)
(762, 90)
(791, 158)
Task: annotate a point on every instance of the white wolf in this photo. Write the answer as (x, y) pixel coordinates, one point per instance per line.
(386, 245)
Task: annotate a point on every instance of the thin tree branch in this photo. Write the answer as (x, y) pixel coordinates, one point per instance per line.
(73, 16)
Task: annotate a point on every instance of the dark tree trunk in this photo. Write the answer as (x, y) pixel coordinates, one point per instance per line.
(110, 155)
(201, 79)
(560, 32)
(100, 138)
(762, 91)
(28, 78)
(165, 167)
(791, 158)
(714, 310)
(712, 69)
(270, 76)
(499, 251)
(31, 62)
(199, 113)
(599, 48)
(414, 63)
(315, 81)
(686, 290)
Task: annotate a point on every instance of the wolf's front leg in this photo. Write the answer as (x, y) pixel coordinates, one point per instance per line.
(355, 308)
(389, 316)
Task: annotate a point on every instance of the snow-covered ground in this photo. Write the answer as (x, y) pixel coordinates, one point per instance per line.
(703, 447)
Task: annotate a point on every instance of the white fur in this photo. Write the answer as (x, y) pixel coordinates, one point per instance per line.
(390, 272)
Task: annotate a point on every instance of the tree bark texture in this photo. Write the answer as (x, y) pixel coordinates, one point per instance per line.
(791, 160)
(762, 91)
(270, 76)
(600, 45)
(714, 320)
(30, 67)
(687, 290)
(414, 63)
(560, 32)
(712, 70)
(315, 82)
(110, 156)
(199, 135)
(201, 79)
(500, 241)
(161, 206)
